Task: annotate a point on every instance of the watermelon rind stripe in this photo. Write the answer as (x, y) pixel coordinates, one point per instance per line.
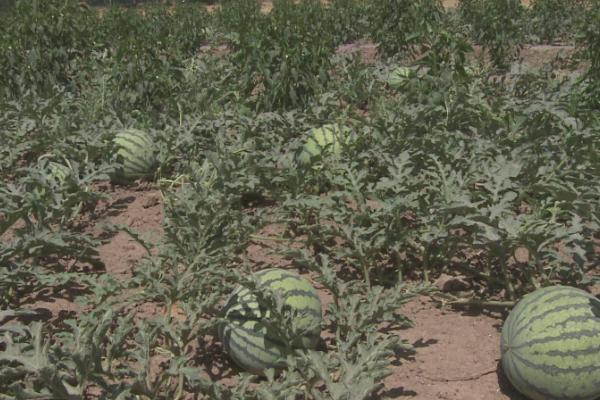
(515, 314)
(574, 375)
(134, 149)
(544, 300)
(252, 314)
(571, 320)
(590, 334)
(238, 326)
(532, 298)
(248, 356)
(243, 333)
(588, 351)
(238, 335)
(529, 389)
(136, 141)
(131, 143)
(553, 369)
(571, 307)
(135, 164)
(135, 134)
(522, 384)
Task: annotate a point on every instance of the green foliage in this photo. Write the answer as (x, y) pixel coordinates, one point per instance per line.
(42, 45)
(347, 20)
(591, 38)
(144, 56)
(498, 25)
(555, 20)
(399, 26)
(39, 212)
(283, 57)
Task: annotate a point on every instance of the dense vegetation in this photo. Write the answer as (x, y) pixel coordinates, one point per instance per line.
(466, 163)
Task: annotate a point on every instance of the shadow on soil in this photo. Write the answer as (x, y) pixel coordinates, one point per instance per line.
(403, 355)
(117, 207)
(397, 393)
(505, 386)
(215, 362)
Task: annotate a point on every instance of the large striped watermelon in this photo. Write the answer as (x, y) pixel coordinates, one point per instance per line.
(135, 154)
(551, 345)
(247, 339)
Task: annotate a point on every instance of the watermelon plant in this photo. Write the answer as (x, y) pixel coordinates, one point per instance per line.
(552, 21)
(550, 344)
(491, 177)
(401, 26)
(498, 25)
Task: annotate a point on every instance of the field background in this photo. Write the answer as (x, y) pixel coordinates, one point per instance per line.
(473, 183)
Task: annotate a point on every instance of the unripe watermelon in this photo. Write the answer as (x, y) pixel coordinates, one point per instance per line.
(135, 155)
(551, 345)
(58, 172)
(323, 141)
(247, 339)
(399, 76)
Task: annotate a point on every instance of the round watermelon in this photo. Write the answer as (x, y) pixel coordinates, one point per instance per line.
(322, 142)
(249, 341)
(135, 156)
(399, 76)
(551, 345)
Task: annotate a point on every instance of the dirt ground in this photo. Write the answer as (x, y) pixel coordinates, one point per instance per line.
(457, 356)
(457, 352)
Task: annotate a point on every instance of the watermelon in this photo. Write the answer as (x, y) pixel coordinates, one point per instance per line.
(248, 341)
(551, 345)
(135, 154)
(399, 76)
(58, 172)
(323, 141)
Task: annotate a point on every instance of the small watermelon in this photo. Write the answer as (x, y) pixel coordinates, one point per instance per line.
(323, 141)
(247, 339)
(135, 154)
(551, 345)
(399, 76)
(58, 172)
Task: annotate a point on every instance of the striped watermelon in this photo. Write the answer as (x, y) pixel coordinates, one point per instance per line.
(135, 156)
(246, 338)
(58, 172)
(322, 141)
(399, 76)
(551, 345)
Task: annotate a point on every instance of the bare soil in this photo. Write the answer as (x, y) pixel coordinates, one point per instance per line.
(457, 356)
